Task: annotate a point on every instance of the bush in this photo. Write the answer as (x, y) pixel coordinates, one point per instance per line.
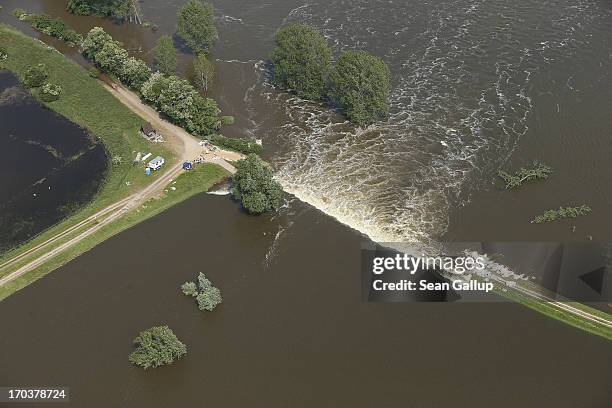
(254, 186)
(196, 25)
(55, 28)
(3, 53)
(208, 296)
(157, 346)
(103, 8)
(35, 76)
(360, 87)
(301, 60)
(50, 92)
(19, 13)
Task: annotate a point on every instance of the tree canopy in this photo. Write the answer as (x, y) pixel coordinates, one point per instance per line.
(207, 296)
(157, 346)
(196, 25)
(301, 60)
(164, 55)
(178, 99)
(254, 186)
(203, 72)
(35, 76)
(359, 85)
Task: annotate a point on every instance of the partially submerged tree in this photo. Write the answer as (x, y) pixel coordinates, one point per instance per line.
(196, 25)
(124, 9)
(157, 346)
(254, 185)
(203, 72)
(301, 60)
(538, 171)
(360, 85)
(207, 296)
(561, 213)
(164, 55)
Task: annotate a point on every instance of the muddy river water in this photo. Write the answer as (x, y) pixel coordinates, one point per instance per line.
(476, 85)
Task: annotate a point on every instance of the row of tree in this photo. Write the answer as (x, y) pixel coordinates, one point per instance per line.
(358, 84)
(172, 95)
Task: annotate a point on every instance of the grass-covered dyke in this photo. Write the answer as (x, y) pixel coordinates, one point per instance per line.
(85, 102)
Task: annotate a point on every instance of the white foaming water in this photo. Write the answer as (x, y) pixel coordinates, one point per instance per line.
(462, 77)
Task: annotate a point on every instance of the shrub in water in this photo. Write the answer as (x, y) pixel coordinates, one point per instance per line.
(157, 346)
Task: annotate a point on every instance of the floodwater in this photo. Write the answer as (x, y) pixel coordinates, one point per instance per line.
(291, 331)
(48, 166)
(476, 86)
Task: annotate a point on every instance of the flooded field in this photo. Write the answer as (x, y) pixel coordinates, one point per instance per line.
(48, 166)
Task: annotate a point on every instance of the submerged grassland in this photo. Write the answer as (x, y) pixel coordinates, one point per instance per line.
(85, 102)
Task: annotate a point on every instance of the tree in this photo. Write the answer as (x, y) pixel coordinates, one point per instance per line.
(254, 186)
(94, 41)
(301, 60)
(125, 9)
(196, 25)
(190, 289)
(111, 57)
(203, 72)
(157, 346)
(208, 296)
(35, 76)
(164, 55)
(360, 87)
(134, 73)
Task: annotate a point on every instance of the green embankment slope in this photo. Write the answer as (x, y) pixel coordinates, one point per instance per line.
(85, 102)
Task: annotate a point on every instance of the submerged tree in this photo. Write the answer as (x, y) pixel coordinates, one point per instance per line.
(561, 213)
(360, 85)
(254, 185)
(196, 25)
(124, 9)
(539, 171)
(164, 55)
(301, 60)
(203, 72)
(157, 346)
(207, 296)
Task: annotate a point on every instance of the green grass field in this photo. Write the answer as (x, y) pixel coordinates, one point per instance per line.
(85, 102)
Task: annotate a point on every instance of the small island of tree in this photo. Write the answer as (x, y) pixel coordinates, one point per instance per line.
(196, 25)
(164, 55)
(301, 60)
(359, 85)
(254, 186)
(157, 346)
(207, 296)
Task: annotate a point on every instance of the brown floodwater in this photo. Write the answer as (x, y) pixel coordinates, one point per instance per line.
(475, 87)
(291, 330)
